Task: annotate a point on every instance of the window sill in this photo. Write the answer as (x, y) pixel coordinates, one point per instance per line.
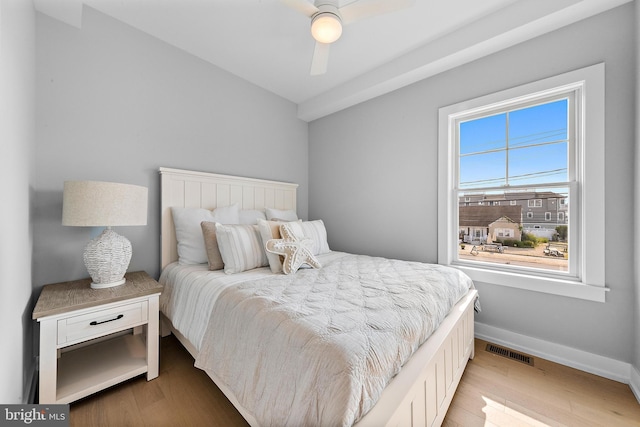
(548, 285)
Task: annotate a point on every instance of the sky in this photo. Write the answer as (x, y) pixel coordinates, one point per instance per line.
(533, 139)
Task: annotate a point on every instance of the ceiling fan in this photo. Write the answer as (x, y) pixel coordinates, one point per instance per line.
(327, 18)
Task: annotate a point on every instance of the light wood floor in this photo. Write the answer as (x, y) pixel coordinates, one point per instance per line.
(494, 391)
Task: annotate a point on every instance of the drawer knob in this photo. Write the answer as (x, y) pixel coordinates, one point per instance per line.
(94, 323)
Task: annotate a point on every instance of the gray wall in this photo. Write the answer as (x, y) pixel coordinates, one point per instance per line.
(17, 140)
(386, 149)
(114, 104)
(636, 359)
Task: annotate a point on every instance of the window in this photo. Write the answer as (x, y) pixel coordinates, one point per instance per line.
(560, 216)
(528, 143)
(513, 202)
(504, 232)
(524, 146)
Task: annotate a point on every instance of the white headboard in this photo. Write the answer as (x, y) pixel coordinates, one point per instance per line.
(207, 190)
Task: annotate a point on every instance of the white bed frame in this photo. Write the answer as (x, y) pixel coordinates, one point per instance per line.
(421, 393)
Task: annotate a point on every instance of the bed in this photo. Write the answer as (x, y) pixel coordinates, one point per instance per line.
(206, 309)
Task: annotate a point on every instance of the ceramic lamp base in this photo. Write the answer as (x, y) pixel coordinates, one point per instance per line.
(107, 258)
(107, 285)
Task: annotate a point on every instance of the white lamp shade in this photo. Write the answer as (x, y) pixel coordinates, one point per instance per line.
(103, 204)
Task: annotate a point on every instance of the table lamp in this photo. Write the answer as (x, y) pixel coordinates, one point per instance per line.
(105, 204)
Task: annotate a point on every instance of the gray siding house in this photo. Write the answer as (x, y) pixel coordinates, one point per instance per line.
(542, 212)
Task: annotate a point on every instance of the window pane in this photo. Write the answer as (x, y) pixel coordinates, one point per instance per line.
(540, 164)
(530, 231)
(527, 146)
(483, 170)
(480, 135)
(538, 124)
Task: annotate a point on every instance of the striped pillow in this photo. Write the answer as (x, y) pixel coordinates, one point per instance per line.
(316, 231)
(240, 247)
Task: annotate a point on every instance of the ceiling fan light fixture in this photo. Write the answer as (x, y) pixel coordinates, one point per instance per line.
(326, 27)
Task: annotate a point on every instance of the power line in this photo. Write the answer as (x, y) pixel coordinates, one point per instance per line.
(511, 148)
(540, 135)
(517, 177)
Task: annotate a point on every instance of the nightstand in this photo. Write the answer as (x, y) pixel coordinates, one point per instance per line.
(85, 342)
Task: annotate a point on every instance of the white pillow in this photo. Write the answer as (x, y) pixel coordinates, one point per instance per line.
(227, 214)
(251, 216)
(294, 228)
(316, 231)
(280, 215)
(187, 221)
(241, 247)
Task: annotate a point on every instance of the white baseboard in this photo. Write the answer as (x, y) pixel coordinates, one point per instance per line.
(634, 382)
(579, 359)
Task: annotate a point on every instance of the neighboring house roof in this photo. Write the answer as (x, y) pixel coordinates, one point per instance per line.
(502, 220)
(482, 216)
(516, 195)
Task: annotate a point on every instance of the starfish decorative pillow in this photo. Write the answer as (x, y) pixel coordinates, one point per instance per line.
(295, 248)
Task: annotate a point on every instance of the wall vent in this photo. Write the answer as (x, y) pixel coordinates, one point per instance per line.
(509, 354)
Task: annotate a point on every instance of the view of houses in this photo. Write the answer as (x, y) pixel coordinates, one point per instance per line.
(487, 218)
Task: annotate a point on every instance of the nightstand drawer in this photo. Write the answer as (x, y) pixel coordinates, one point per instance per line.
(101, 322)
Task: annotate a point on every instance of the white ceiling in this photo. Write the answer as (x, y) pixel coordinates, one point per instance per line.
(269, 44)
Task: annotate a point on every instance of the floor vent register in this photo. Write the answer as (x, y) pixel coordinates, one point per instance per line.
(509, 354)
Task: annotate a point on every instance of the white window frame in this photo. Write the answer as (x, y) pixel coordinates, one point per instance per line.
(529, 215)
(589, 281)
(547, 216)
(534, 203)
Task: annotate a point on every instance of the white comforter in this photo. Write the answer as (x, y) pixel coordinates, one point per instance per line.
(315, 348)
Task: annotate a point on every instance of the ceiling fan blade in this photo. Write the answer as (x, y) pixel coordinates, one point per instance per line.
(302, 6)
(320, 59)
(362, 9)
